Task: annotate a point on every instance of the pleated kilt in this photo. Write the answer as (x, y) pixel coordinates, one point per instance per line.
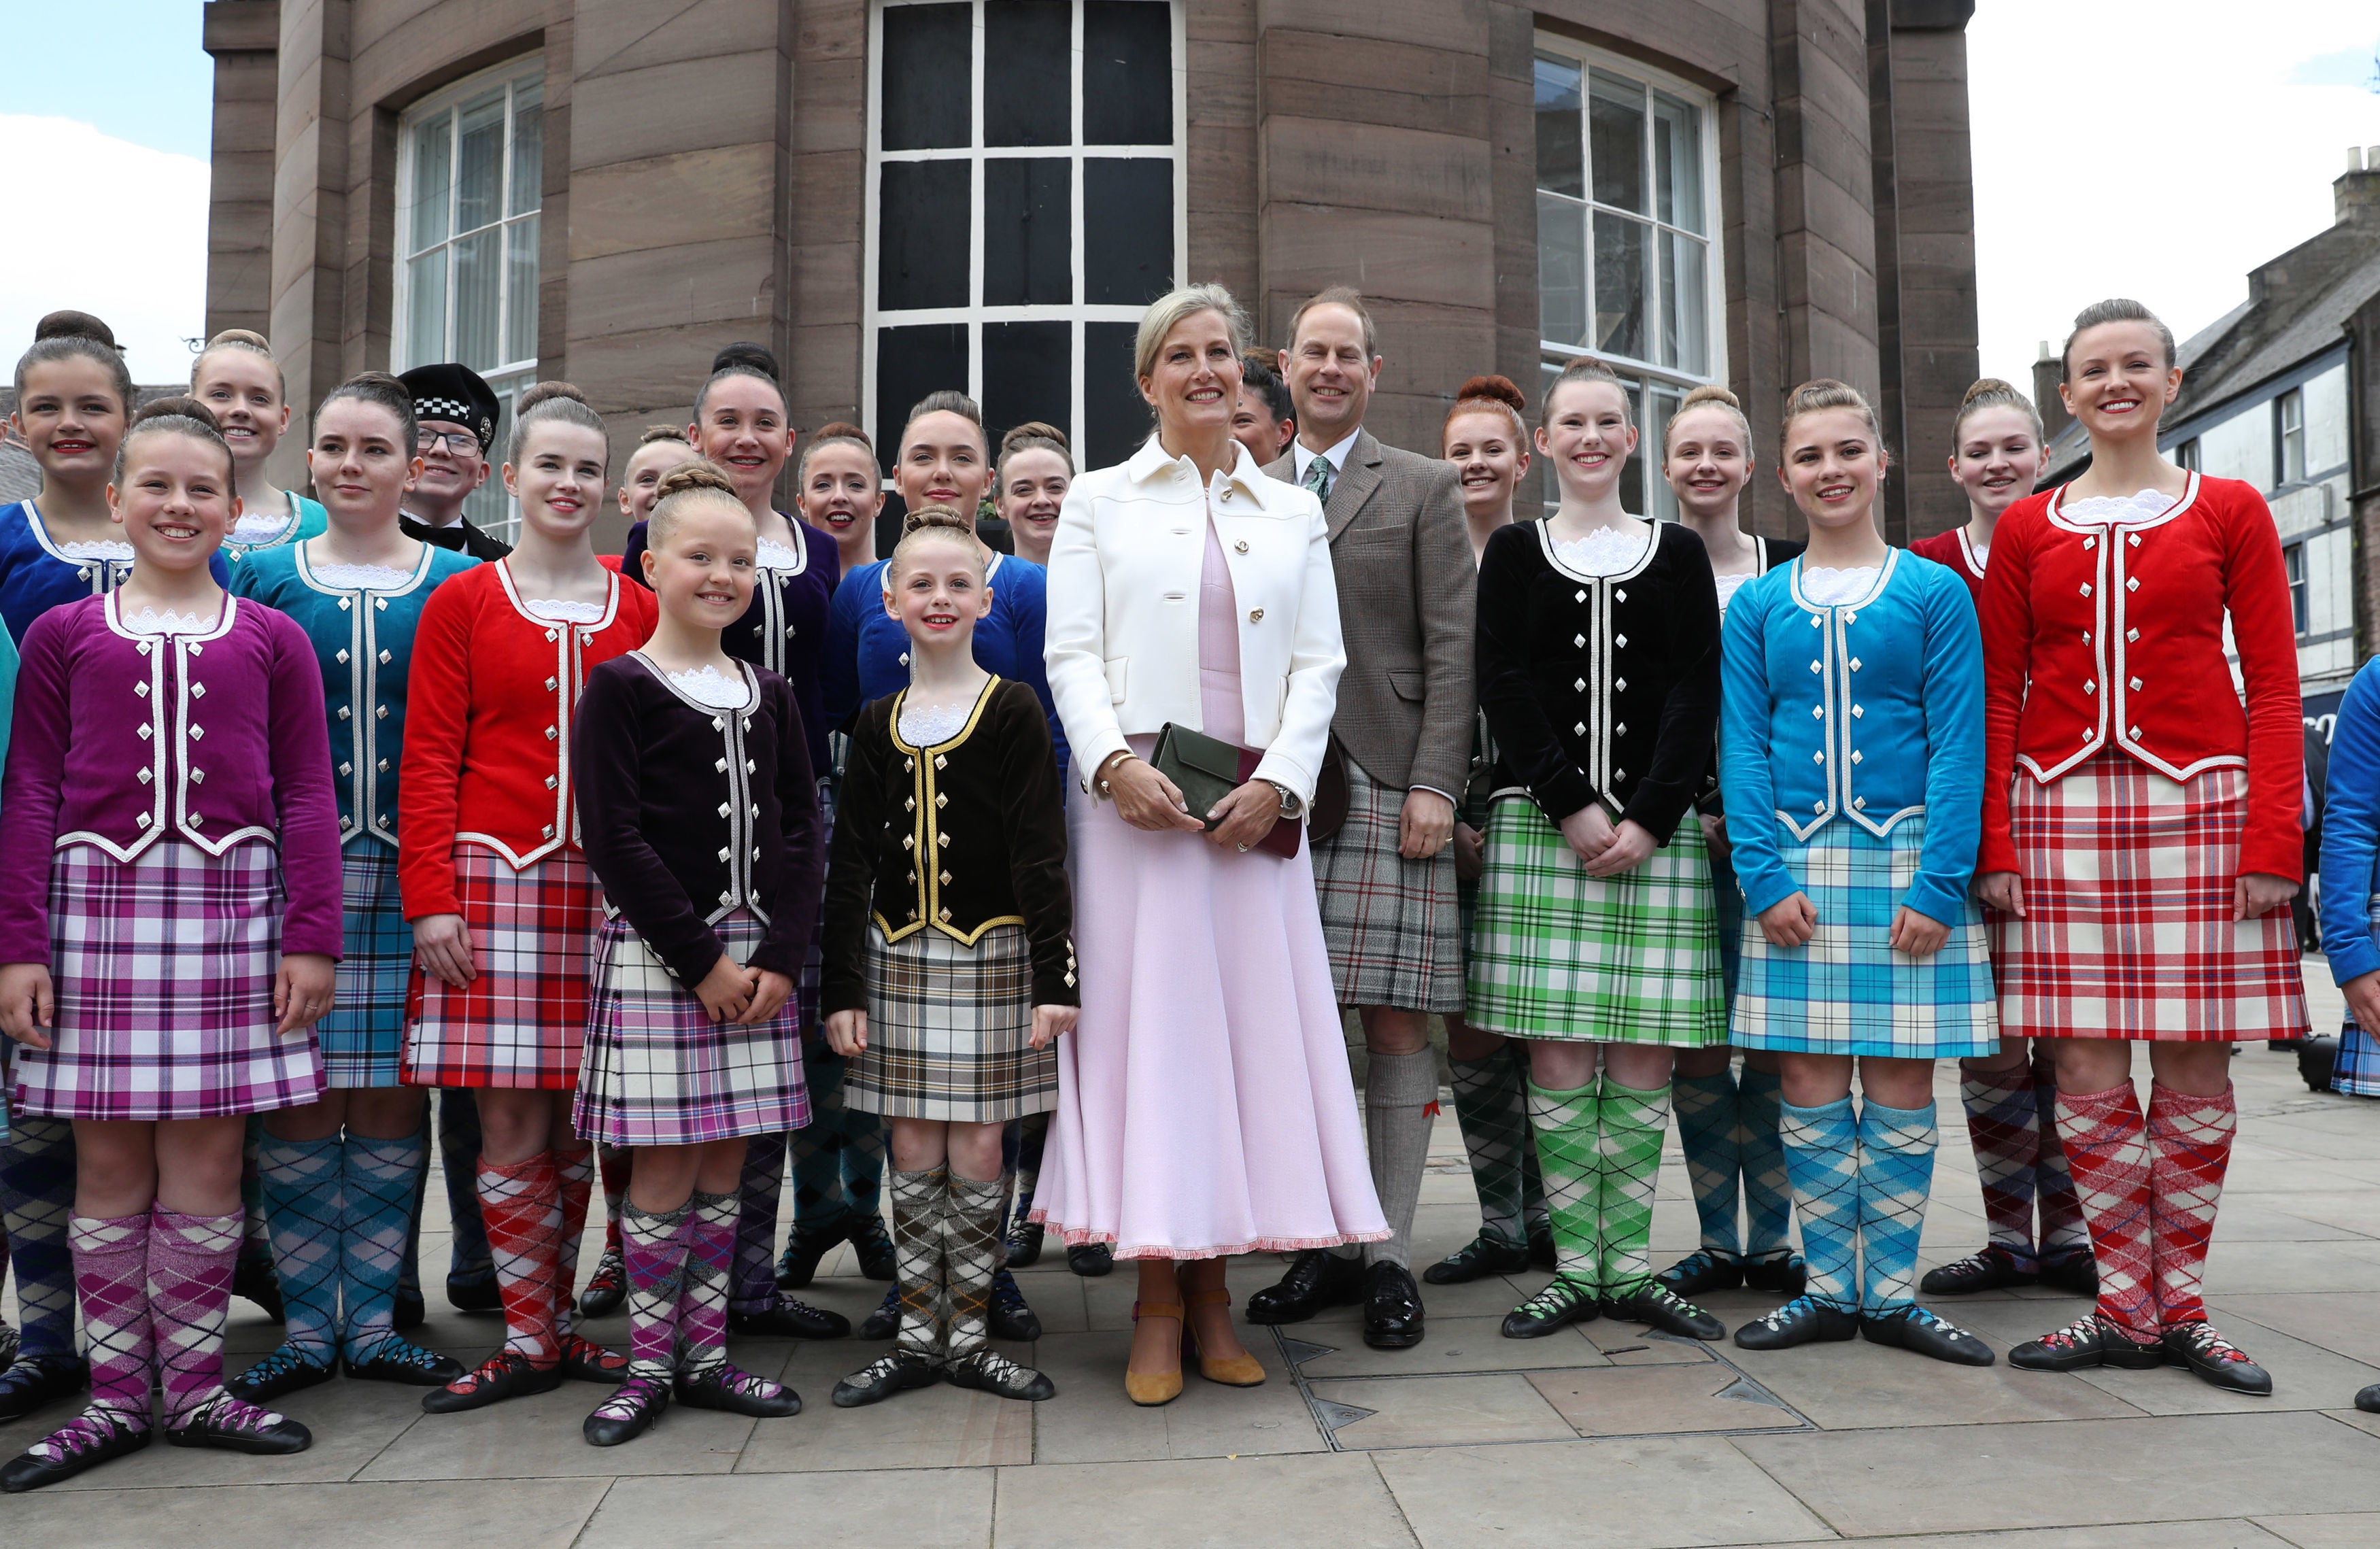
(2356, 1069)
(1558, 954)
(521, 1022)
(1846, 990)
(657, 1070)
(2128, 930)
(948, 1031)
(1392, 925)
(364, 1038)
(164, 968)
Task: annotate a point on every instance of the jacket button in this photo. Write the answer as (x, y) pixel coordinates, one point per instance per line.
(727, 898)
(1255, 615)
(346, 768)
(551, 734)
(551, 685)
(343, 712)
(1860, 802)
(2136, 733)
(2134, 585)
(1242, 546)
(197, 819)
(548, 831)
(943, 913)
(342, 657)
(2129, 634)
(1621, 730)
(382, 712)
(385, 659)
(2136, 683)
(1578, 639)
(1579, 729)
(725, 854)
(142, 819)
(551, 781)
(384, 766)
(1817, 667)
(1817, 806)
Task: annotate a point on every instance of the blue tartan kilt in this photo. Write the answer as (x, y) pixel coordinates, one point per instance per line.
(2356, 1071)
(364, 1032)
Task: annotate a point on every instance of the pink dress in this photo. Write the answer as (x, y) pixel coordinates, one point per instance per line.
(1204, 1103)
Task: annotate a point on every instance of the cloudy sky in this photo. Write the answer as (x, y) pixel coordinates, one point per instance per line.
(2157, 151)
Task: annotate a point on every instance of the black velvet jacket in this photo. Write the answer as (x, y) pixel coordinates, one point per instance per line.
(687, 813)
(985, 812)
(1600, 689)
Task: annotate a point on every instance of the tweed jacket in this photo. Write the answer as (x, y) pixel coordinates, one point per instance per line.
(1406, 583)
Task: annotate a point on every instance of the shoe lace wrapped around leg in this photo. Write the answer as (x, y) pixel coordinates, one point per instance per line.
(96, 1427)
(227, 1415)
(633, 1397)
(2207, 1345)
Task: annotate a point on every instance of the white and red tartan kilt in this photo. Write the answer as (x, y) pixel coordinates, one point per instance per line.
(522, 1021)
(2128, 931)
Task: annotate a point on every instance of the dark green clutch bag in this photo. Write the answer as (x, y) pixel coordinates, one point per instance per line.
(1209, 769)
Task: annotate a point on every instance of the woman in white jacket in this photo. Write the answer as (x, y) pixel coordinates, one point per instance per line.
(1204, 1104)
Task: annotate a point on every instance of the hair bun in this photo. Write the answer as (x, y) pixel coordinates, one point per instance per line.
(841, 430)
(1032, 430)
(1495, 388)
(927, 516)
(246, 337)
(178, 405)
(1989, 387)
(68, 323)
(696, 475)
(1709, 392)
(750, 356)
(545, 393)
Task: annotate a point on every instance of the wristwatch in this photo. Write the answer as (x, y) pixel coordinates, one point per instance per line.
(1291, 805)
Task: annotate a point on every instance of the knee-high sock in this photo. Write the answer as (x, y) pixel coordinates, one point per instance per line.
(1768, 1192)
(522, 1206)
(1565, 1127)
(111, 1260)
(256, 1231)
(2004, 1127)
(1821, 1147)
(1492, 1107)
(816, 1148)
(37, 1184)
(1534, 1217)
(305, 1202)
(2106, 1146)
(1629, 1126)
(709, 1260)
(970, 1258)
(574, 1181)
(755, 1279)
(2189, 1148)
(381, 1183)
(408, 1279)
(191, 1264)
(653, 1250)
(1398, 1095)
(918, 1200)
(1895, 1172)
(1032, 1139)
(865, 1141)
(613, 1165)
(2062, 1230)
(1708, 1129)
(468, 1256)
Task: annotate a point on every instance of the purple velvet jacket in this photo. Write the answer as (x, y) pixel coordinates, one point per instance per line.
(122, 739)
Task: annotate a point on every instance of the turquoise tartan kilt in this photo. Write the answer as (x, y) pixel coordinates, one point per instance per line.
(1559, 955)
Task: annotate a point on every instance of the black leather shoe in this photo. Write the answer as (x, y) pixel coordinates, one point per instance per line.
(628, 1413)
(98, 1435)
(1006, 1313)
(2073, 1271)
(1991, 1267)
(408, 1312)
(228, 1424)
(1703, 1272)
(607, 1289)
(991, 1372)
(798, 1267)
(403, 1362)
(2368, 1399)
(1475, 1259)
(1316, 1280)
(1542, 1254)
(885, 1322)
(1025, 1239)
(1801, 1321)
(1914, 1328)
(1392, 1309)
(1657, 1306)
(732, 1390)
(474, 1293)
(36, 1381)
(285, 1371)
(585, 1360)
(786, 1318)
(2090, 1340)
(893, 1371)
(505, 1375)
(2214, 1359)
(1558, 1306)
(253, 1279)
(1786, 1275)
(1090, 1260)
(873, 1248)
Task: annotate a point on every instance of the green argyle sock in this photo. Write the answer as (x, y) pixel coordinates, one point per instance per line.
(1566, 1159)
(1628, 1144)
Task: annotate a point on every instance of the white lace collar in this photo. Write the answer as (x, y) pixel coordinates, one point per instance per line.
(925, 727)
(360, 577)
(1728, 586)
(2146, 506)
(151, 621)
(255, 529)
(556, 610)
(1826, 587)
(1604, 551)
(97, 548)
(774, 555)
(709, 687)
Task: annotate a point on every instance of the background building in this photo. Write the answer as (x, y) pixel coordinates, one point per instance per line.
(899, 195)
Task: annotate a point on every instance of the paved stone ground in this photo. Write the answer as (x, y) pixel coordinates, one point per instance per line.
(1603, 1437)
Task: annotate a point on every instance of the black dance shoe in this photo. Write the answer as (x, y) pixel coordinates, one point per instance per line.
(2216, 1359)
(1316, 1279)
(252, 1279)
(1023, 1244)
(228, 1424)
(607, 1289)
(99, 1435)
(39, 1380)
(991, 1372)
(408, 1311)
(873, 1248)
(1657, 1306)
(2073, 1271)
(1091, 1260)
(2368, 1399)
(474, 1292)
(732, 1390)
(1701, 1272)
(403, 1362)
(1475, 1259)
(628, 1413)
(505, 1375)
(893, 1371)
(1561, 1303)
(805, 1249)
(2090, 1340)
(787, 1318)
(1802, 1321)
(1392, 1309)
(285, 1371)
(1990, 1268)
(1006, 1313)
(1914, 1328)
(585, 1360)
(885, 1322)
(1784, 1274)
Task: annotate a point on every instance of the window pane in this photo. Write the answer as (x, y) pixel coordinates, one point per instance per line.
(1115, 419)
(1028, 373)
(910, 363)
(1562, 271)
(1656, 434)
(425, 308)
(529, 147)
(921, 235)
(1561, 148)
(520, 261)
(480, 170)
(1026, 229)
(1619, 263)
(1677, 162)
(1685, 301)
(928, 86)
(477, 281)
(1631, 477)
(1029, 73)
(1549, 484)
(1616, 140)
(1127, 229)
(433, 182)
(1128, 74)
(489, 508)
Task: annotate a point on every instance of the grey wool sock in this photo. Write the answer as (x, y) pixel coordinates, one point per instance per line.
(1397, 1097)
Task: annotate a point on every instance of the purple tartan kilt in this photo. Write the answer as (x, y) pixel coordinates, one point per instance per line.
(164, 969)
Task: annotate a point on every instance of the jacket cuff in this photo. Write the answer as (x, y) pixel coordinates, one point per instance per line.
(1766, 890)
(2353, 960)
(693, 960)
(836, 994)
(1994, 852)
(1658, 810)
(2275, 855)
(1565, 794)
(1089, 757)
(1051, 989)
(1932, 896)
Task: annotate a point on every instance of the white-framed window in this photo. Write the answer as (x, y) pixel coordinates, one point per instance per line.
(2290, 434)
(1026, 202)
(2293, 565)
(470, 180)
(1628, 225)
(2186, 454)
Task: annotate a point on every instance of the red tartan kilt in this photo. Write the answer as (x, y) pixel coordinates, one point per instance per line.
(2128, 931)
(522, 1021)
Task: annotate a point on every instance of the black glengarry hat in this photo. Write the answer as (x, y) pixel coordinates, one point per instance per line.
(455, 394)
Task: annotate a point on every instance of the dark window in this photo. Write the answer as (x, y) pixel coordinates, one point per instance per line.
(1028, 373)
(1127, 73)
(910, 363)
(921, 245)
(2293, 563)
(1026, 226)
(1028, 57)
(1115, 416)
(1127, 229)
(928, 82)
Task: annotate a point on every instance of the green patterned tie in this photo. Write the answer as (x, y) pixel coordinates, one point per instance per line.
(1317, 479)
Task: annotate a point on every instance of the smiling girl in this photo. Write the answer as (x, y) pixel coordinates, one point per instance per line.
(659, 449)
(840, 492)
(496, 886)
(168, 938)
(1035, 469)
(236, 377)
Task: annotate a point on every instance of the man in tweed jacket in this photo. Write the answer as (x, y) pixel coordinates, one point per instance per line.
(1402, 556)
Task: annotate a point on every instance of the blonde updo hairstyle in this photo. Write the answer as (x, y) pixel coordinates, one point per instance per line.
(1711, 395)
(2116, 308)
(1825, 392)
(1167, 312)
(932, 523)
(552, 402)
(685, 489)
(247, 342)
(175, 416)
(1991, 392)
(1586, 369)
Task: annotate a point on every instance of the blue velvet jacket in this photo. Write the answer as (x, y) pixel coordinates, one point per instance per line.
(2351, 831)
(37, 575)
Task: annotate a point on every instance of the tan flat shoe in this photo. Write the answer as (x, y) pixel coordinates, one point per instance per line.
(1151, 1390)
(1229, 1370)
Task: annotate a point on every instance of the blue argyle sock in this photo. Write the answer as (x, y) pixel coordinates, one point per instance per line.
(37, 1184)
(305, 1204)
(1706, 1132)
(1895, 1172)
(1767, 1192)
(379, 1187)
(1821, 1155)
(754, 1283)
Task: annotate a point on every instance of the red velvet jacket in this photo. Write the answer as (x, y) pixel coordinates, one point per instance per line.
(2096, 634)
(487, 737)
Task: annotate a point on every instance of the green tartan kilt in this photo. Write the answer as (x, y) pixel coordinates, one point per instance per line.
(1558, 954)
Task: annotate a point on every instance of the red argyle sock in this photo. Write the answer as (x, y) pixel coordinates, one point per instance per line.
(2107, 1148)
(2062, 1229)
(2190, 1146)
(522, 1207)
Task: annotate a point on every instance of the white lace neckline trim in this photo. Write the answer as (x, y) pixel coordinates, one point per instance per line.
(1604, 551)
(97, 548)
(924, 726)
(2146, 506)
(774, 555)
(708, 685)
(1728, 586)
(361, 577)
(1828, 587)
(562, 610)
(151, 621)
(257, 527)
